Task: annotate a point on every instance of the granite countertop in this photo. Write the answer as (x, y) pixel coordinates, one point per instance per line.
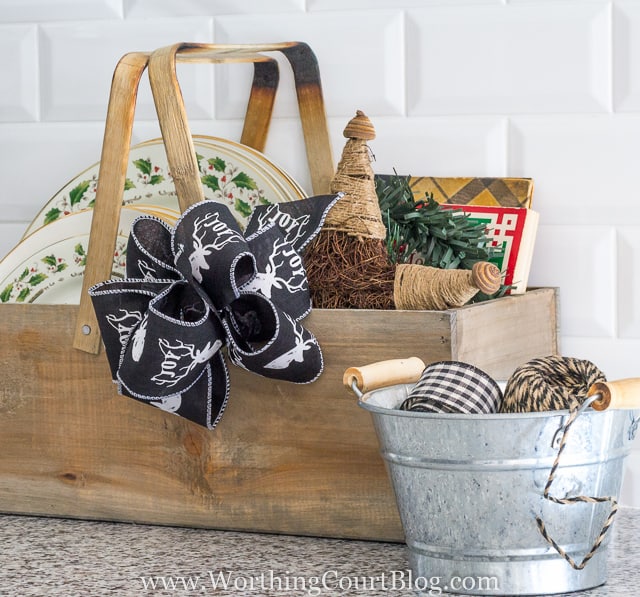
(48, 556)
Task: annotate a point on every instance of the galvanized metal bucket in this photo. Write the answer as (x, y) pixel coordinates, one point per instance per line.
(469, 488)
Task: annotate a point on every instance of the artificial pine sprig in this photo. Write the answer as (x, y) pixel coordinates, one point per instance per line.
(439, 237)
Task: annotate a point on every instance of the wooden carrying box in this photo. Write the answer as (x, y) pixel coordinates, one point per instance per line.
(285, 458)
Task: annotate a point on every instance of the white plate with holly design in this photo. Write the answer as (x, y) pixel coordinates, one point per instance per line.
(231, 173)
(47, 266)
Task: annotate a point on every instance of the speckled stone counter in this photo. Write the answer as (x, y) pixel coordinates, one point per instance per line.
(46, 556)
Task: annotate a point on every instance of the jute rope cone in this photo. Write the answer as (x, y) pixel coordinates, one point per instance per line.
(358, 214)
(348, 265)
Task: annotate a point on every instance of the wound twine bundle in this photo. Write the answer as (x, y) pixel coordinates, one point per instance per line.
(549, 383)
(424, 287)
(558, 383)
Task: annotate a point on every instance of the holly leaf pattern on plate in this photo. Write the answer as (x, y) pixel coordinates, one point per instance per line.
(143, 165)
(77, 193)
(54, 263)
(244, 181)
(243, 207)
(211, 181)
(218, 164)
(52, 215)
(5, 295)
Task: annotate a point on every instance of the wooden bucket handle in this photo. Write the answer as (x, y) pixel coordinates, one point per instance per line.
(180, 153)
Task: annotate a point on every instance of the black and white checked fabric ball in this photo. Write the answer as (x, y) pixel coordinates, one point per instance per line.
(454, 387)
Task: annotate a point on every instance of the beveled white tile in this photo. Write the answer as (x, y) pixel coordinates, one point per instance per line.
(462, 146)
(584, 167)
(171, 8)
(580, 261)
(626, 54)
(37, 159)
(359, 70)
(59, 10)
(629, 281)
(226, 129)
(78, 60)
(509, 59)
(286, 148)
(19, 69)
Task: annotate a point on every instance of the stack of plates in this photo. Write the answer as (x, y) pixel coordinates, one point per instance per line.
(47, 265)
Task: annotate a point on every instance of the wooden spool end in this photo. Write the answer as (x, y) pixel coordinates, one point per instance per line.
(486, 277)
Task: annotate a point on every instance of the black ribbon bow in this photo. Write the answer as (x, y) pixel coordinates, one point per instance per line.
(194, 289)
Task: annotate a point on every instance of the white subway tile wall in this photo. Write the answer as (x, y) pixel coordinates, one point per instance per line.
(542, 89)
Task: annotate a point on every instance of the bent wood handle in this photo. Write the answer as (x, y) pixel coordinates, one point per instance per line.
(117, 140)
(620, 394)
(111, 176)
(306, 76)
(172, 114)
(384, 373)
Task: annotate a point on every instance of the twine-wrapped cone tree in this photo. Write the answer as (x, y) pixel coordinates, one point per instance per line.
(348, 265)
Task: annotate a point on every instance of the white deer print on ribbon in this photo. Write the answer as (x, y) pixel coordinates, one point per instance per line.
(171, 404)
(291, 278)
(296, 354)
(124, 323)
(180, 359)
(219, 234)
(137, 345)
(293, 228)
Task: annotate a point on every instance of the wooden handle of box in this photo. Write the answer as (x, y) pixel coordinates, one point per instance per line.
(620, 394)
(384, 373)
(106, 212)
(172, 114)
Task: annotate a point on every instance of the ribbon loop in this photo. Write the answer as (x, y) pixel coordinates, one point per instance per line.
(203, 285)
(210, 250)
(286, 350)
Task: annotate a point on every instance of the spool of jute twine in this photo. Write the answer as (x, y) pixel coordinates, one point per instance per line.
(558, 383)
(424, 287)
